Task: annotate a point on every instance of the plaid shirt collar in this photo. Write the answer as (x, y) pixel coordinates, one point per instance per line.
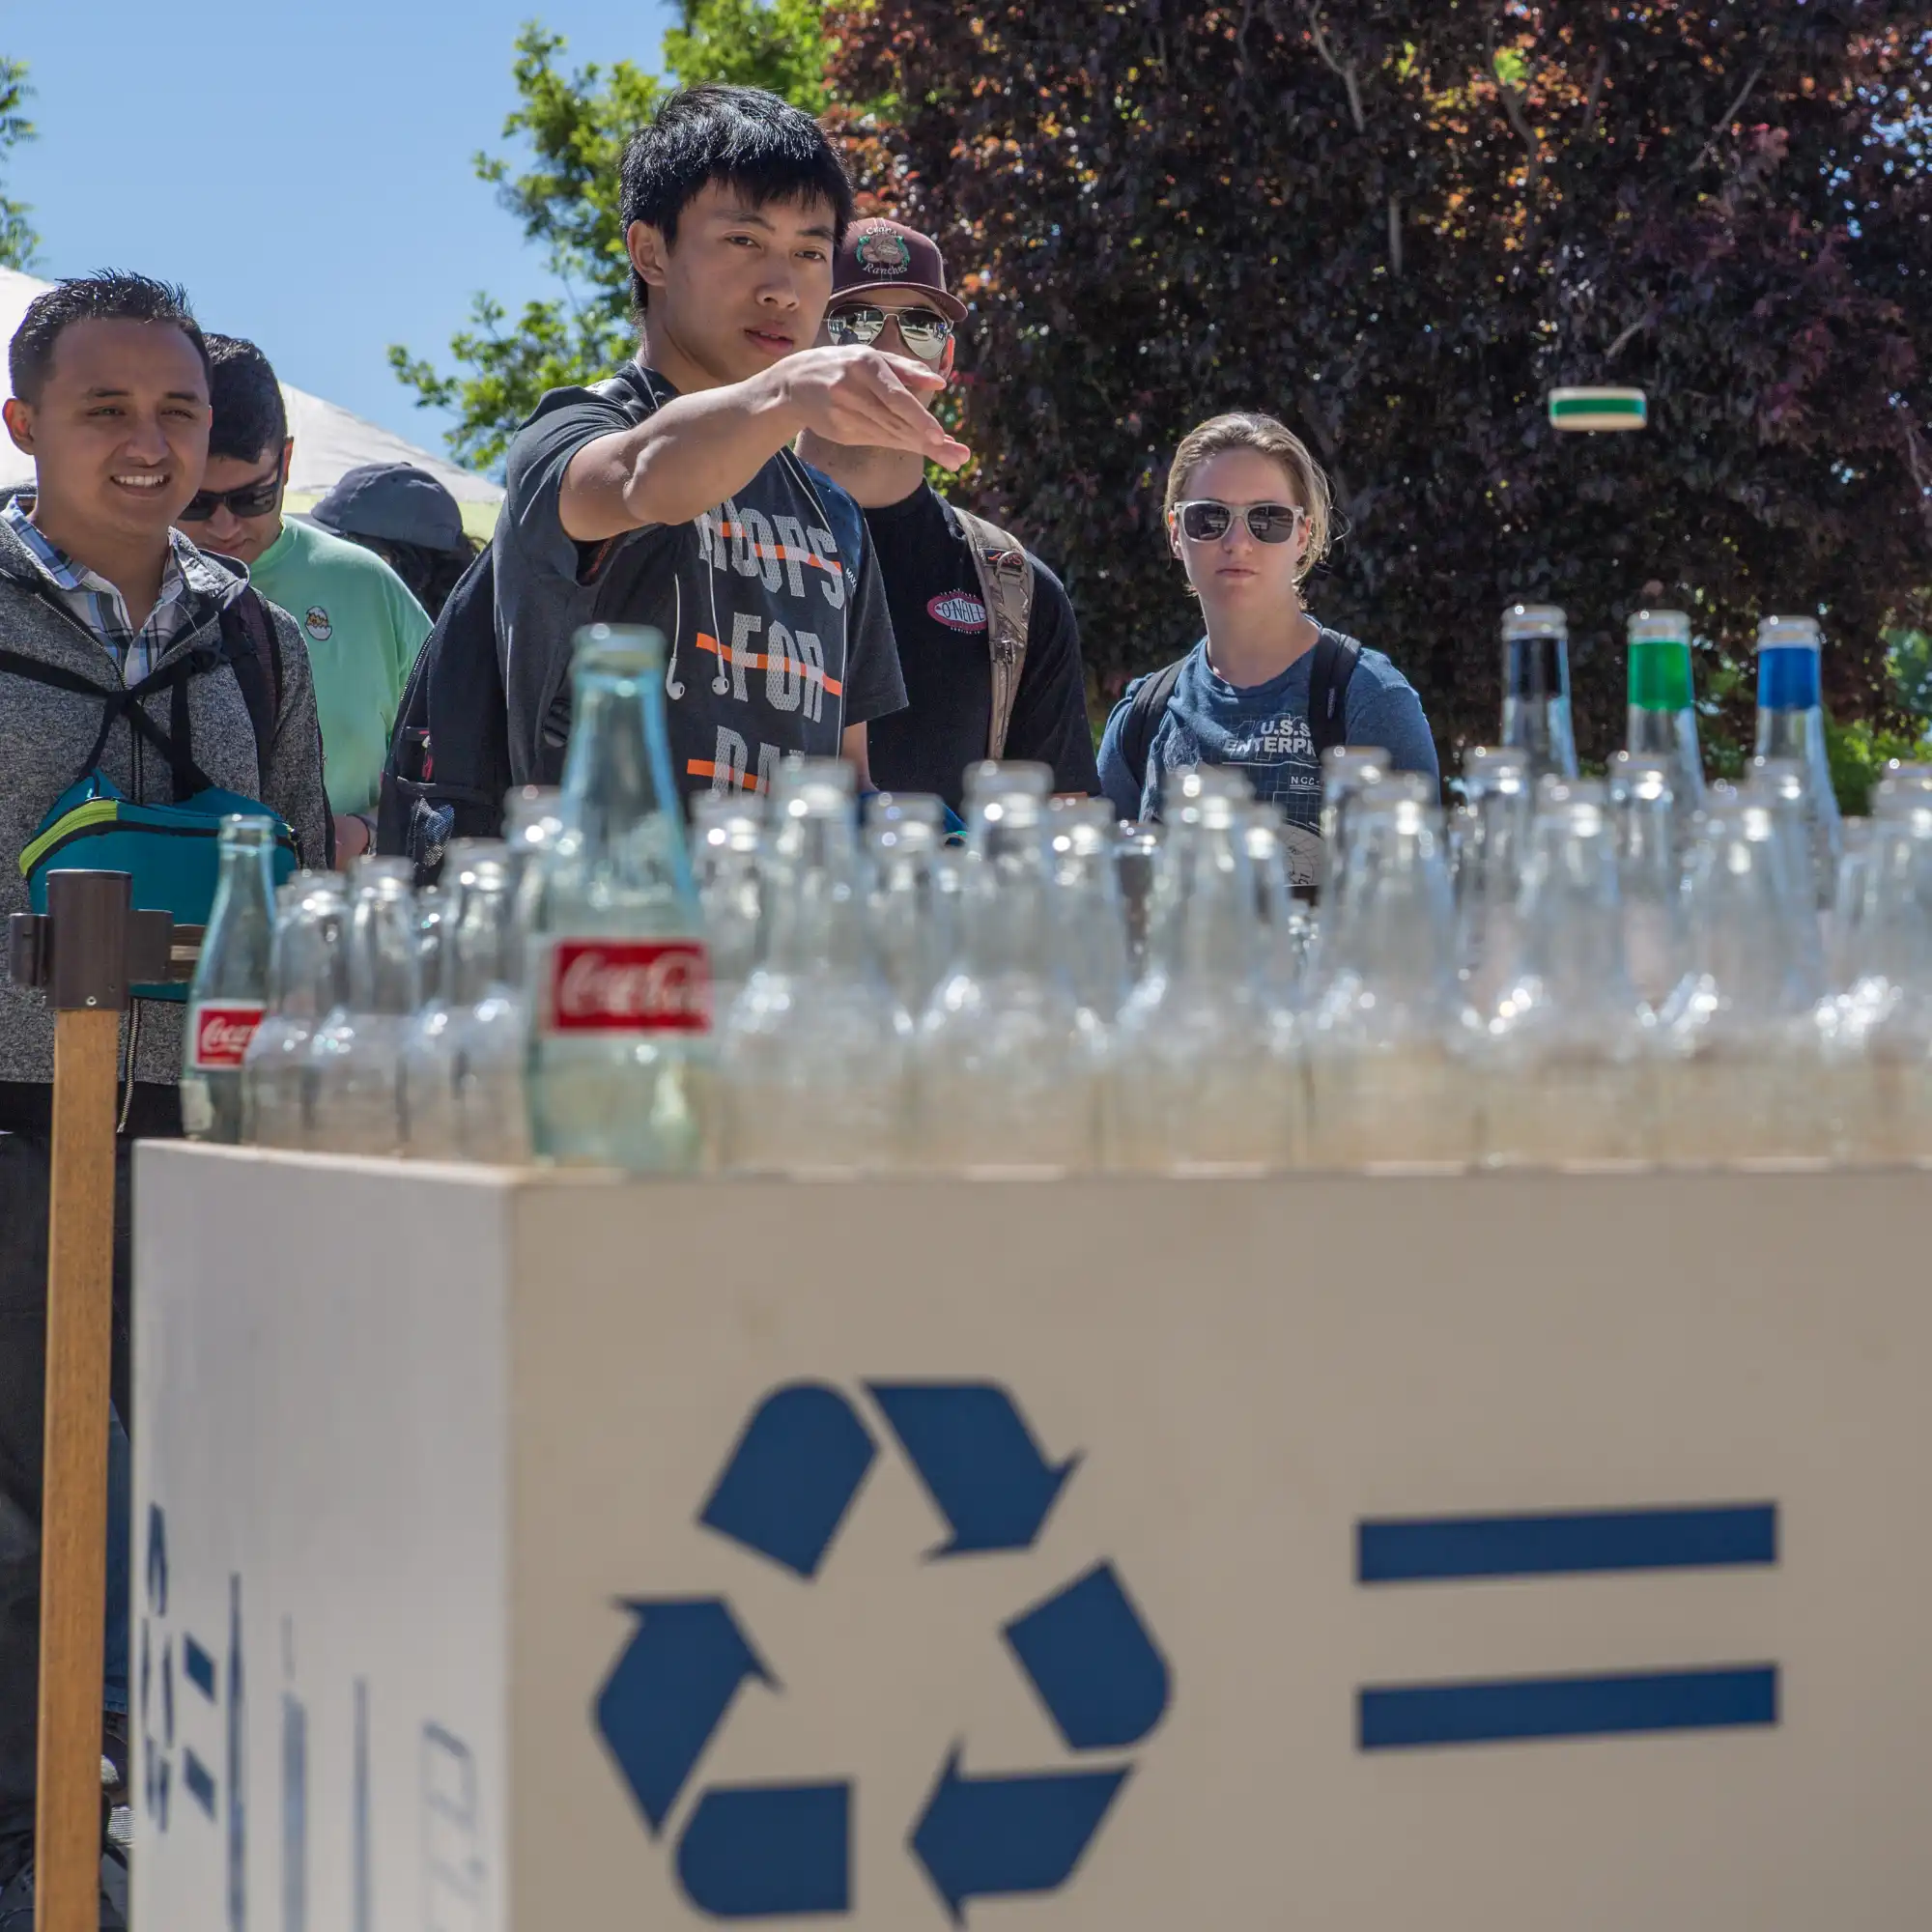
(191, 586)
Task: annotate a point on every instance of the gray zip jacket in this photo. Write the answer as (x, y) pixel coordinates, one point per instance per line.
(46, 736)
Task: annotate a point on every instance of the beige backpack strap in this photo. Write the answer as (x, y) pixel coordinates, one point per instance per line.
(1006, 588)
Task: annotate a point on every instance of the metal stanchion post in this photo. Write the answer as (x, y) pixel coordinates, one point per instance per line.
(86, 951)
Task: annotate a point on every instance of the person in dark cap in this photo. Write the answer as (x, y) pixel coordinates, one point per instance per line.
(988, 645)
(409, 519)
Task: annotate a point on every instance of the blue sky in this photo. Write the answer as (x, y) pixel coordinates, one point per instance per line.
(307, 176)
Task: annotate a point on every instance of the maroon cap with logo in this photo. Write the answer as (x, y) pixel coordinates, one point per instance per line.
(881, 254)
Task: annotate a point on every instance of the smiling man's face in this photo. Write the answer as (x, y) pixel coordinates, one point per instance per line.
(743, 284)
(119, 432)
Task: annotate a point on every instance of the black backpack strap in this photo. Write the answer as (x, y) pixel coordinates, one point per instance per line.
(1335, 660)
(1145, 710)
(173, 745)
(254, 654)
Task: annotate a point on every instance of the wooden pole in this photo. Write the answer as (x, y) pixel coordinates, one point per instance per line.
(73, 1514)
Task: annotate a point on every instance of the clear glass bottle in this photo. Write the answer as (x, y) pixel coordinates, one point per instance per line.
(727, 834)
(1388, 1079)
(431, 1128)
(1202, 1073)
(1878, 1030)
(1285, 929)
(1740, 1073)
(489, 1017)
(1566, 1054)
(1008, 1066)
(816, 1049)
(1089, 925)
(1784, 786)
(307, 981)
(1498, 797)
(1791, 725)
(910, 902)
(621, 1053)
(1651, 843)
(1536, 689)
(1347, 772)
(230, 990)
(1848, 901)
(356, 1057)
(1137, 862)
(532, 822)
(1663, 714)
(432, 910)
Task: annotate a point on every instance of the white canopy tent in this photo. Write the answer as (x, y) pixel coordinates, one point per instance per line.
(329, 440)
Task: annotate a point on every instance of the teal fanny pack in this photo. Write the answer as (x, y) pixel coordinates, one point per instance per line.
(170, 851)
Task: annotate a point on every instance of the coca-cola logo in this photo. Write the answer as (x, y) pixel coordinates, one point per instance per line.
(626, 985)
(221, 1036)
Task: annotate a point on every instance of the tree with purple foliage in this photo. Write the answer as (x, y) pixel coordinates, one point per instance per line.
(1398, 226)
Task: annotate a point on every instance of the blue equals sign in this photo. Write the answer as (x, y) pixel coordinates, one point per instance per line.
(1578, 1543)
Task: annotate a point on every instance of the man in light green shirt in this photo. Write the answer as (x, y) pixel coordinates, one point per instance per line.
(362, 627)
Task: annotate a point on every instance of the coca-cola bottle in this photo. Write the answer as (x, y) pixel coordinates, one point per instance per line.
(231, 982)
(620, 982)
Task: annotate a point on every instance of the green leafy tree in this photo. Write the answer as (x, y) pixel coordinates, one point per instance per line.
(573, 127)
(17, 239)
(1399, 224)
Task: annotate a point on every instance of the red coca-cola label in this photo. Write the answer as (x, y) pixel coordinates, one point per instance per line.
(629, 986)
(221, 1035)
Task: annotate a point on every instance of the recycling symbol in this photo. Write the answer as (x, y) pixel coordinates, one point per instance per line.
(756, 1850)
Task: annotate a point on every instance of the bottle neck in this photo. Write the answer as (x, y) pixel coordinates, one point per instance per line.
(1008, 910)
(1571, 916)
(1393, 923)
(1210, 932)
(814, 911)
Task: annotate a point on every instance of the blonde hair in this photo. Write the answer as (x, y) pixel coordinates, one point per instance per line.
(1245, 430)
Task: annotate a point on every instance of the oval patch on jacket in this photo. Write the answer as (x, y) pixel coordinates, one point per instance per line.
(317, 624)
(957, 610)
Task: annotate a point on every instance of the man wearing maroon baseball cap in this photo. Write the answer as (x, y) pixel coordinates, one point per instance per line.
(987, 642)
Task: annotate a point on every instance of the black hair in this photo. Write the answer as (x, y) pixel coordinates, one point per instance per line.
(249, 414)
(742, 136)
(110, 295)
(431, 574)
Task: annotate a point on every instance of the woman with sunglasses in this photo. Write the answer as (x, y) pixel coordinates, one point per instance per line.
(1248, 517)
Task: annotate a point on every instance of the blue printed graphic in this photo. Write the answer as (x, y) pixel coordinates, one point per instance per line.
(978, 1460)
(1434, 1550)
(769, 1851)
(785, 1849)
(1406, 1717)
(1093, 1662)
(988, 1837)
(792, 1476)
(199, 1668)
(669, 1694)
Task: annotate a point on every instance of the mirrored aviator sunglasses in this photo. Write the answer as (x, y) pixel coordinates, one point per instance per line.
(923, 330)
(254, 498)
(1205, 521)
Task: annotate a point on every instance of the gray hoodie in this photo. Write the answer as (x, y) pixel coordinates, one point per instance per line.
(46, 736)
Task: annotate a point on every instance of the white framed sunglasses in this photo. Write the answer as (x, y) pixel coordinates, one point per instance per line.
(1204, 520)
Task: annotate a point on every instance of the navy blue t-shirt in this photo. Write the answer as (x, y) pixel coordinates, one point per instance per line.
(1262, 730)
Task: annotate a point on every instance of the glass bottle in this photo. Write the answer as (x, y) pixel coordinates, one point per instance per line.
(489, 1017)
(1498, 797)
(1566, 1052)
(532, 820)
(1387, 1077)
(307, 980)
(1651, 836)
(1137, 860)
(1089, 924)
(909, 903)
(619, 979)
(432, 904)
(356, 1057)
(1536, 689)
(1201, 1078)
(1663, 715)
(1784, 786)
(1347, 772)
(727, 833)
(429, 1089)
(1008, 1066)
(230, 990)
(1285, 929)
(1740, 1072)
(1791, 725)
(816, 1048)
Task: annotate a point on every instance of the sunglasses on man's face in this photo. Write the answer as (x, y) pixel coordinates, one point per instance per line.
(921, 329)
(254, 498)
(1205, 521)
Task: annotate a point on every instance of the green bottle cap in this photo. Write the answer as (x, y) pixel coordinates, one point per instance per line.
(1659, 675)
